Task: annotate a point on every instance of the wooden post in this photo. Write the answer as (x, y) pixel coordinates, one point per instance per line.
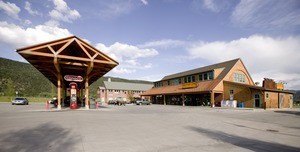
(58, 94)
(63, 95)
(183, 100)
(87, 93)
(165, 100)
(212, 99)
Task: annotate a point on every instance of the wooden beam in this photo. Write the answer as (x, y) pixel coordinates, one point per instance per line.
(56, 64)
(65, 46)
(51, 49)
(38, 54)
(58, 94)
(84, 50)
(86, 93)
(90, 68)
(73, 58)
(73, 63)
(100, 53)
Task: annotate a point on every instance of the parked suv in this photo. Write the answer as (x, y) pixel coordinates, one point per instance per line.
(142, 101)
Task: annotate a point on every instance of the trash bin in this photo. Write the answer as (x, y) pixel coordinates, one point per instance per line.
(241, 105)
(92, 103)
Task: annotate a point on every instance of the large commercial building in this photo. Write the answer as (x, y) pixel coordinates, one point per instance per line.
(217, 84)
(127, 91)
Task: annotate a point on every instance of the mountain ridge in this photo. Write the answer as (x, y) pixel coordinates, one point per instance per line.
(16, 76)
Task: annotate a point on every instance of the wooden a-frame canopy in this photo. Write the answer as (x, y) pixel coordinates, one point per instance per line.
(68, 56)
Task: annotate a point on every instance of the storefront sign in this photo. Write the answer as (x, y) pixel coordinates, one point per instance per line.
(74, 78)
(189, 85)
(280, 86)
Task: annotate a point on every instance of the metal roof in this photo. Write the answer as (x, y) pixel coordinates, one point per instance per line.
(227, 65)
(127, 86)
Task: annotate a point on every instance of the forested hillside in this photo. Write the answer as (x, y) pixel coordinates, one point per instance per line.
(28, 81)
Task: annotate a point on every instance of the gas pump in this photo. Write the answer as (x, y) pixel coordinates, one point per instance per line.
(73, 95)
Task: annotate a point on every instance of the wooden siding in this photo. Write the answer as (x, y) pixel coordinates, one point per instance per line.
(239, 68)
(272, 101)
(241, 94)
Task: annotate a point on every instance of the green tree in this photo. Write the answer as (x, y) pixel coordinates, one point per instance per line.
(10, 90)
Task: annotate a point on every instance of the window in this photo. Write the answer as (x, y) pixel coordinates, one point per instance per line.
(200, 77)
(205, 76)
(210, 75)
(189, 79)
(231, 92)
(239, 77)
(176, 81)
(158, 84)
(168, 82)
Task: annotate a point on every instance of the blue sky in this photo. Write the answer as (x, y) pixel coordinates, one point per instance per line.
(154, 38)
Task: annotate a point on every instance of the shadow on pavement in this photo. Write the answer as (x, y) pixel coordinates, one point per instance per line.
(46, 137)
(288, 112)
(247, 143)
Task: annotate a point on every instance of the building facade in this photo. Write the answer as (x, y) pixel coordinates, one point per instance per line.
(212, 85)
(127, 91)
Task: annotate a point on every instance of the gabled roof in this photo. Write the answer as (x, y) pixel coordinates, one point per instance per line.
(68, 56)
(202, 86)
(227, 65)
(127, 86)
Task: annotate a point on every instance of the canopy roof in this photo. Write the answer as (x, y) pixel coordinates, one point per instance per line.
(68, 56)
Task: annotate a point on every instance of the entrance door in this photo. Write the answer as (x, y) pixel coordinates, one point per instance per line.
(257, 100)
(291, 101)
(281, 100)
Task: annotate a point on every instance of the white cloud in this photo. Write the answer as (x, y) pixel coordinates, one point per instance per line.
(114, 8)
(210, 5)
(267, 13)
(62, 12)
(119, 51)
(10, 9)
(27, 22)
(131, 62)
(127, 55)
(17, 36)
(147, 66)
(29, 9)
(118, 70)
(165, 43)
(145, 2)
(273, 57)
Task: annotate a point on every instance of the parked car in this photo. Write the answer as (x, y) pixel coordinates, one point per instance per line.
(119, 101)
(53, 100)
(142, 101)
(111, 102)
(66, 101)
(20, 100)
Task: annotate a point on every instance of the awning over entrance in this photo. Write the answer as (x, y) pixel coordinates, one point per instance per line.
(68, 56)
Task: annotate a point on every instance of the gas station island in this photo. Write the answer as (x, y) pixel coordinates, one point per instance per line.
(71, 65)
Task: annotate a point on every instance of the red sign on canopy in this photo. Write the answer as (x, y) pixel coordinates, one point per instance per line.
(75, 78)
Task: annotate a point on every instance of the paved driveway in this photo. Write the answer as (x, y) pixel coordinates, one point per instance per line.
(154, 128)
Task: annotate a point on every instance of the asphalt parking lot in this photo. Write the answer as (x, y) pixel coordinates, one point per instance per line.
(154, 128)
